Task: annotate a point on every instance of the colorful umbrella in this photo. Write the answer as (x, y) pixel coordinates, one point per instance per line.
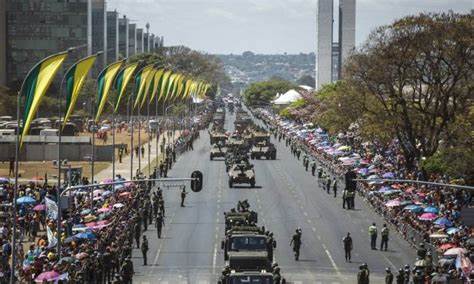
(443, 222)
(452, 231)
(438, 236)
(427, 217)
(413, 208)
(103, 209)
(455, 251)
(86, 235)
(446, 246)
(118, 205)
(431, 209)
(388, 175)
(39, 207)
(393, 203)
(46, 276)
(25, 200)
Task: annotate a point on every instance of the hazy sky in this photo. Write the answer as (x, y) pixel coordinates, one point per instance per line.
(262, 26)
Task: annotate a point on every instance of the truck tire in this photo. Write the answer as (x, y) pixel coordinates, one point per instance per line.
(231, 183)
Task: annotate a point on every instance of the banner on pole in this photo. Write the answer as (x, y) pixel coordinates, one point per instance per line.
(51, 209)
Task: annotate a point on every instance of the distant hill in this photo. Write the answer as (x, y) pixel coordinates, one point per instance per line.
(249, 67)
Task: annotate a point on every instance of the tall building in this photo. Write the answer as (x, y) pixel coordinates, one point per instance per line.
(99, 33)
(33, 33)
(139, 40)
(123, 37)
(132, 39)
(146, 42)
(347, 16)
(330, 57)
(152, 43)
(335, 71)
(3, 43)
(324, 31)
(112, 37)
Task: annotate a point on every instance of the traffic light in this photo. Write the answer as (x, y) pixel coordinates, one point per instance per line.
(196, 183)
(351, 184)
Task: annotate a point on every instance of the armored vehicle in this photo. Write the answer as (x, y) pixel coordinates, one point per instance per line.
(263, 149)
(241, 173)
(217, 137)
(217, 151)
(240, 221)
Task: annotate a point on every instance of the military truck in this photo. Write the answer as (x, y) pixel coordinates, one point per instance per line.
(254, 241)
(263, 149)
(240, 221)
(217, 151)
(244, 277)
(241, 173)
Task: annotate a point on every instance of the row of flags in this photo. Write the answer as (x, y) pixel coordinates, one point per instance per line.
(150, 81)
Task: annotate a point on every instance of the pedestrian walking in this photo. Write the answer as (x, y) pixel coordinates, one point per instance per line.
(347, 241)
(11, 168)
(334, 187)
(373, 236)
(183, 196)
(384, 233)
(159, 223)
(144, 249)
(328, 184)
(137, 230)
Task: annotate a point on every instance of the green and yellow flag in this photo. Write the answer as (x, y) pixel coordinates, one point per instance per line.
(174, 90)
(141, 81)
(104, 83)
(170, 86)
(75, 79)
(35, 86)
(148, 86)
(121, 83)
(157, 82)
(164, 84)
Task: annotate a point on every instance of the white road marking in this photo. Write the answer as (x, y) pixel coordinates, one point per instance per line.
(332, 260)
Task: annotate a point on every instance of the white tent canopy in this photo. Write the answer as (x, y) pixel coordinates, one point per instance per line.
(287, 98)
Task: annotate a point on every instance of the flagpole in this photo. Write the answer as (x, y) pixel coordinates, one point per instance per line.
(58, 191)
(17, 158)
(113, 146)
(15, 189)
(131, 136)
(157, 132)
(149, 137)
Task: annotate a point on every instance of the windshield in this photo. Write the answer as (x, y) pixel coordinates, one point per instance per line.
(248, 243)
(251, 280)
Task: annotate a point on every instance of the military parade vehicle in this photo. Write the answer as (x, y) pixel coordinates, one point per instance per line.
(263, 149)
(247, 238)
(217, 137)
(241, 277)
(217, 151)
(241, 173)
(242, 220)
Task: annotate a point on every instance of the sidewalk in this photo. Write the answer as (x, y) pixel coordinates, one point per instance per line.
(123, 168)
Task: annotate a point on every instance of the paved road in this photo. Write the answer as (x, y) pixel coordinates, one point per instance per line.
(286, 197)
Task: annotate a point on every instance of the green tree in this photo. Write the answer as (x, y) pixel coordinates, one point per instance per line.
(261, 93)
(306, 80)
(420, 70)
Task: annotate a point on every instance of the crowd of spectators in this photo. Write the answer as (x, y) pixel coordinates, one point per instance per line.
(426, 215)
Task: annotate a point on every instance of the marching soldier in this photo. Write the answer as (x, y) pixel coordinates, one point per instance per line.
(296, 242)
(388, 276)
(313, 168)
(384, 233)
(144, 249)
(334, 187)
(363, 275)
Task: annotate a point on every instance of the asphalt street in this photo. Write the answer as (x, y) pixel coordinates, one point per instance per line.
(286, 197)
